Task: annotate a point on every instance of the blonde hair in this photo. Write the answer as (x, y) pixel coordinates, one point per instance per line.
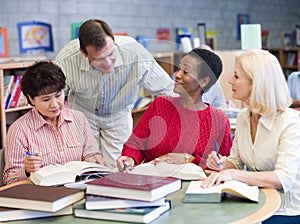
(270, 92)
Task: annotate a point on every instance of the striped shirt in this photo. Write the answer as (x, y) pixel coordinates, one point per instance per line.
(92, 90)
(71, 140)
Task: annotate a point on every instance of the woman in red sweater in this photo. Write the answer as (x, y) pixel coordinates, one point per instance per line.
(182, 129)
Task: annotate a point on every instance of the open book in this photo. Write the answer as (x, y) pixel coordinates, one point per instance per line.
(195, 193)
(188, 171)
(57, 174)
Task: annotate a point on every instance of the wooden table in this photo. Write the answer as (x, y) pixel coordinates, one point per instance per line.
(231, 210)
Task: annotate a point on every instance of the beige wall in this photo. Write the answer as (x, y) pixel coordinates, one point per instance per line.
(228, 59)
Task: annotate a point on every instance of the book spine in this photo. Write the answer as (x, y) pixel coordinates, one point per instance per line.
(7, 86)
(16, 99)
(13, 90)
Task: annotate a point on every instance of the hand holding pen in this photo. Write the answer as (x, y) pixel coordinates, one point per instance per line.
(32, 162)
(125, 163)
(215, 161)
(217, 152)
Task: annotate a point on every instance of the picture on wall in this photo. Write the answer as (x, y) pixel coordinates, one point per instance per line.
(75, 29)
(35, 36)
(241, 19)
(3, 42)
(163, 34)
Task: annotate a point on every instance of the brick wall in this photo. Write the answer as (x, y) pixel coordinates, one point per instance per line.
(143, 17)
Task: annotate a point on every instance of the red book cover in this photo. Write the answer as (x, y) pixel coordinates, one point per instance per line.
(133, 181)
(133, 186)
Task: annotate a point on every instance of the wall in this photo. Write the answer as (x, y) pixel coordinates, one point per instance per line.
(143, 17)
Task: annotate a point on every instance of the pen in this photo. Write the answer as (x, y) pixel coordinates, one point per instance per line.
(217, 151)
(28, 153)
(124, 166)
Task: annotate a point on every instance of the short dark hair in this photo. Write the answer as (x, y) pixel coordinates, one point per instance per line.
(212, 66)
(93, 32)
(41, 78)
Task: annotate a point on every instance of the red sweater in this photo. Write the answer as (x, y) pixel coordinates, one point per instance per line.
(168, 127)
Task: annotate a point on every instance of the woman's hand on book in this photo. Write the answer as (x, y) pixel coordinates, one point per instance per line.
(174, 158)
(218, 178)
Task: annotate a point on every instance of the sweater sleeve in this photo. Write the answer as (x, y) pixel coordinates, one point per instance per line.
(137, 142)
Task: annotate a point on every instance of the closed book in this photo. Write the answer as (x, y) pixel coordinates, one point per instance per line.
(58, 174)
(133, 186)
(187, 171)
(196, 193)
(40, 198)
(94, 202)
(12, 214)
(137, 215)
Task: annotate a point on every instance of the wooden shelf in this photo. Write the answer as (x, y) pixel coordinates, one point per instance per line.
(166, 61)
(9, 69)
(289, 59)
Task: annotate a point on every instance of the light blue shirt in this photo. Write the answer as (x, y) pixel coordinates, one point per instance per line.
(215, 96)
(294, 85)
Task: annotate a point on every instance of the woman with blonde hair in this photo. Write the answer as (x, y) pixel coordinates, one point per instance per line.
(267, 137)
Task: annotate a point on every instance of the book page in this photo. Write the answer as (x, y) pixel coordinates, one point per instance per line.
(241, 189)
(195, 188)
(144, 169)
(187, 171)
(80, 167)
(53, 174)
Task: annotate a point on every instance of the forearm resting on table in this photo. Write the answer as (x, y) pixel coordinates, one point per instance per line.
(266, 179)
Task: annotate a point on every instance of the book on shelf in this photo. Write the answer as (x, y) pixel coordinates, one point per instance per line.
(187, 171)
(58, 174)
(13, 214)
(8, 81)
(22, 101)
(141, 102)
(137, 215)
(292, 58)
(12, 90)
(195, 193)
(133, 186)
(94, 202)
(15, 100)
(40, 198)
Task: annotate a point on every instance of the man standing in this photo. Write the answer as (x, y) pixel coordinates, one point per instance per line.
(104, 74)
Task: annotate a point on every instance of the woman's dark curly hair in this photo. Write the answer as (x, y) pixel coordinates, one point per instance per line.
(42, 78)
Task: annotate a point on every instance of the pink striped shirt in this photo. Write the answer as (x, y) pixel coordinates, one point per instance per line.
(71, 140)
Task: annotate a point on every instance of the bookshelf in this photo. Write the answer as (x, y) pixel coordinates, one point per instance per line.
(7, 116)
(289, 59)
(166, 61)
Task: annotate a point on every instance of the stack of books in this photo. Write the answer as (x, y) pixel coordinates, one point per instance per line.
(29, 201)
(127, 197)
